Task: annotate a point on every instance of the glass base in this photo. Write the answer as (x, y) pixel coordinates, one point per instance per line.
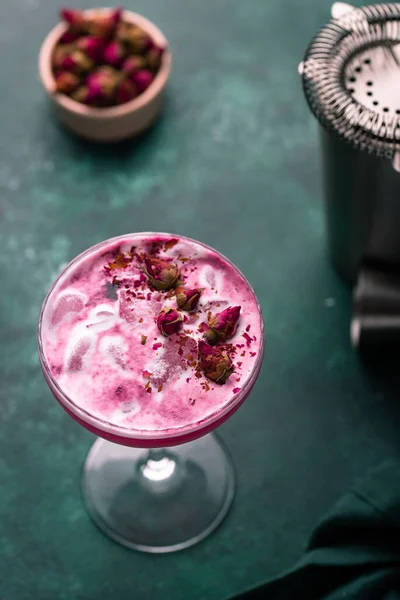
(158, 500)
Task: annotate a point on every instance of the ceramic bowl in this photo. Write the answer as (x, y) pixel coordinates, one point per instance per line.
(114, 123)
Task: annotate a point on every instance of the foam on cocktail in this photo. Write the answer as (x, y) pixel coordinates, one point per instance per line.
(102, 345)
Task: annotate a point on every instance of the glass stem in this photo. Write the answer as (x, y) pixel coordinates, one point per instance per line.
(157, 454)
(160, 470)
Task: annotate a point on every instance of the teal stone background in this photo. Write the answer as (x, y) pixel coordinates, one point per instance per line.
(233, 162)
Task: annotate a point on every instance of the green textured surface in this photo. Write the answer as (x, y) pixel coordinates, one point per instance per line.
(234, 163)
(354, 551)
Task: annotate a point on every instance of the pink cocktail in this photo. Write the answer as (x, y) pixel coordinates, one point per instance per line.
(152, 341)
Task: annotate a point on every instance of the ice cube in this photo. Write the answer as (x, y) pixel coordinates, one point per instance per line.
(117, 355)
(210, 279)
(209, 276)
(126, 402)
(76, 357)
(114, 349)
(66, 304)
(100, 319)
(103, 311)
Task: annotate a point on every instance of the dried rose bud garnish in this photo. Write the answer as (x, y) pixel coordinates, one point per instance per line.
(154, 56)
(81, 95)
(66, 82)
(169, 321)
(113, 53)
(121, 261)
(74, 18)
(126, 91)
(223, 325)
(102, 84)
(77, 62)
(188, 299)
(60, 52)
(215, 363)
(93, 47)
(68, 37)
(123, 31)
(105, 26)
(104, 40)
(161, 274)
(142, 79)
(135, 38)
(133, 63)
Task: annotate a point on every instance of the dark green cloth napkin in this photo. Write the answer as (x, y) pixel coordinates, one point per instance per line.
(354, 552)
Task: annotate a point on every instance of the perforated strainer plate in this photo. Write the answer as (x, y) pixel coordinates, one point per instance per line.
(351, 76)
(373, 79)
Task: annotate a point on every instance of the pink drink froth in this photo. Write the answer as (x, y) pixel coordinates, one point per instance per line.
(102, 346)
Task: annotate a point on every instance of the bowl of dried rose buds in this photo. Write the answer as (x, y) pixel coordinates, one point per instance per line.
(105, 70)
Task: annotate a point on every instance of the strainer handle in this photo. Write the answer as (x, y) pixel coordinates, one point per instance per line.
(339, 9)
(396, 161)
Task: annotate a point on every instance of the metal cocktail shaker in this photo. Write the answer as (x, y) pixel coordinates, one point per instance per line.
(351, 78)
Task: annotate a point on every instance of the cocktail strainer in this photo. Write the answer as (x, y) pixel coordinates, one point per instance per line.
(351, 78)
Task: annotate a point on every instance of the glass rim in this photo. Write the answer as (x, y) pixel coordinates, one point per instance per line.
(128, 432)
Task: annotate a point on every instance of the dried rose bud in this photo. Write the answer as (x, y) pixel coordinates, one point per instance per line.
(153, 57)
(123, 31)
(215, 363)
(60, 52)
(58, 56)
(142, 79)
(66, 82)
(188, 299)
(169, 321)
(116, 15)
(133, 63)
(105, 25)
(100, 27)
(162, 275)
(126, 92)
(75, 18)
(113, 53)
(77, 62)
(81, 95)
(92, 46)
(68, 37)
(223, 325)
(102, 83)
(139, 39)
(68, 63)
(134, 37)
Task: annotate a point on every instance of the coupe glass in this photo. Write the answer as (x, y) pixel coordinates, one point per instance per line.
(154, 491)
